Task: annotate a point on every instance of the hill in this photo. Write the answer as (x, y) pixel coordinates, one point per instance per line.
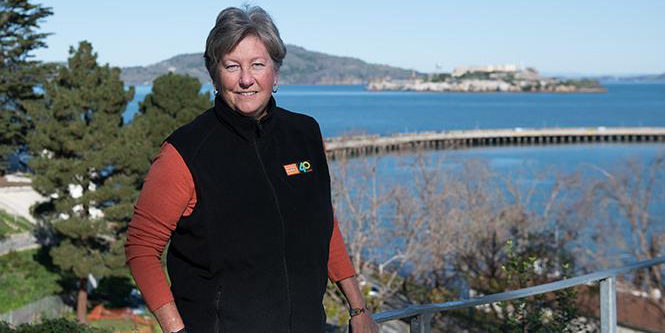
(632, 78)
(645, 78)
(300, 66)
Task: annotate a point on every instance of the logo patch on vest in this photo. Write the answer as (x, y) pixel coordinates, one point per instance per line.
(296, 168)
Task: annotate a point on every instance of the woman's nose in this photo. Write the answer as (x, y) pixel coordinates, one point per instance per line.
(246, 79)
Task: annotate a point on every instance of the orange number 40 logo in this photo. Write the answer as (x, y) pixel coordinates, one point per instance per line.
(305, 166)
(296, 168)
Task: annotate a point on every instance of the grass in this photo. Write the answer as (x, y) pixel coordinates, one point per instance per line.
(12, 224)
(24, 280)
(123, 325)
(115, 324)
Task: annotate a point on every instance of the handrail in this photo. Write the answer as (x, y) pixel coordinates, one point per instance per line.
(423, 313)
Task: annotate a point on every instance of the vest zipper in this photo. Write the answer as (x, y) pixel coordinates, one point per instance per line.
(281, 219)
(218, 313)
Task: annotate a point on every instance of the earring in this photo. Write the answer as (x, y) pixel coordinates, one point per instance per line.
(275, 87)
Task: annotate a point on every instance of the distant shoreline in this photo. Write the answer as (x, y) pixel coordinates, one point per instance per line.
(491, 83)
(474, 87)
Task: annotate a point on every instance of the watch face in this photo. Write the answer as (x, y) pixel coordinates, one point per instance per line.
(355, 312)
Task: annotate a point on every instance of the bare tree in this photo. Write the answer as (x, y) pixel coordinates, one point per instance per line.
(442, 228)
(626, 196)
(379, 224)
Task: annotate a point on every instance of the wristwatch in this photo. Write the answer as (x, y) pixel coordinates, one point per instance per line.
(356, 311)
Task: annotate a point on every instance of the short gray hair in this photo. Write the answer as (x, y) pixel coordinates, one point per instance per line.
(232, 25)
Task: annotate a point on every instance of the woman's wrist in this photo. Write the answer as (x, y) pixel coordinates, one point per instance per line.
(351, 290)
(361, 317)
(357, 311)
(169, 318)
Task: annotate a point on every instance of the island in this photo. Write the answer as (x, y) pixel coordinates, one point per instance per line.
(492, 78)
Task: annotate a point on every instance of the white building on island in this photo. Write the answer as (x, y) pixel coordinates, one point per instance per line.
(507, 68)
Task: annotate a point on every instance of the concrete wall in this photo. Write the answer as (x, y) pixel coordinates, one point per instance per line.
(45, 308)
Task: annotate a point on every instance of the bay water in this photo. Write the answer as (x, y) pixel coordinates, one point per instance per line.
(344, 109)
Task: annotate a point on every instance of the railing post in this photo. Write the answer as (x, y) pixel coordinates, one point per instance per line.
(608, 305)
(421, 323)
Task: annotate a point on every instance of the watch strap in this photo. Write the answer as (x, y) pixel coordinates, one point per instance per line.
(356, 311)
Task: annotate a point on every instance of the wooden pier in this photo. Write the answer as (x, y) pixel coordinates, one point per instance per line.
(354, 146)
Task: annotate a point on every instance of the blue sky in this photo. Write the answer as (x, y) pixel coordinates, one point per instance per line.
(588, 37)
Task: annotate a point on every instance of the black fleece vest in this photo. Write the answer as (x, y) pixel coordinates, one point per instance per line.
(253, 255)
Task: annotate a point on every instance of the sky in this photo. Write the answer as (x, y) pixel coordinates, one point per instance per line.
(564, 37)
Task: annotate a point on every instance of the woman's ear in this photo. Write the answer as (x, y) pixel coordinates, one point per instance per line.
(275, 83)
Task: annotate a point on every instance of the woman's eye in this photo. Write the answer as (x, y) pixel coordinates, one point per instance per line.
(258, 65)
(231, 67)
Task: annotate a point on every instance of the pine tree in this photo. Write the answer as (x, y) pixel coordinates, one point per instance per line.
(19, 75)
(174, 101)
(77, 124)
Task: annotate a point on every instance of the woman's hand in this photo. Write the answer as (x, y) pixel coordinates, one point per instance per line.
(363, 323)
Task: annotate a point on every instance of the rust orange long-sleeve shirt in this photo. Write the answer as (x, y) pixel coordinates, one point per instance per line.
(156, 216)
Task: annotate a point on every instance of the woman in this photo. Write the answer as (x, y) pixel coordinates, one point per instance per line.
(243, 194)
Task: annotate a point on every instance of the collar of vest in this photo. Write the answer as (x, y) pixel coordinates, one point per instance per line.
(247, 128)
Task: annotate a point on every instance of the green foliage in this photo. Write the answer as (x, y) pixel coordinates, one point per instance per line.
(77, 124)
(530, 258)
(335, 305)
(509, 77)
(19, 75)
(531, 86)
(59, 325)
(13, 224)
(583, 83)
(475, 76)
(174, 101)
(120, 325)
(538, 313)
(113, 291)
(24, 280)
(441, 77)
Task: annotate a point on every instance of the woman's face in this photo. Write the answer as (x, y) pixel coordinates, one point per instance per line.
(247, 75)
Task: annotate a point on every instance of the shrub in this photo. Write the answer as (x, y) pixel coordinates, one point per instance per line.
(537, 313)
(59, 325)
(24, 280)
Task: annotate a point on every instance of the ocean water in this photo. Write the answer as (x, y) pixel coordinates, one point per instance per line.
(342, 109)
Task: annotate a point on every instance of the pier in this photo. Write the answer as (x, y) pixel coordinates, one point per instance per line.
(355, 146)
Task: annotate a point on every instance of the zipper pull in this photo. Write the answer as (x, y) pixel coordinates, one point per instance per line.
(259, 129)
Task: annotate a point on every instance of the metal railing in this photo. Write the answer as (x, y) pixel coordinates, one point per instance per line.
(421, 315)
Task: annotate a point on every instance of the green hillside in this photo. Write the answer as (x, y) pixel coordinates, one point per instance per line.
(300, 67)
